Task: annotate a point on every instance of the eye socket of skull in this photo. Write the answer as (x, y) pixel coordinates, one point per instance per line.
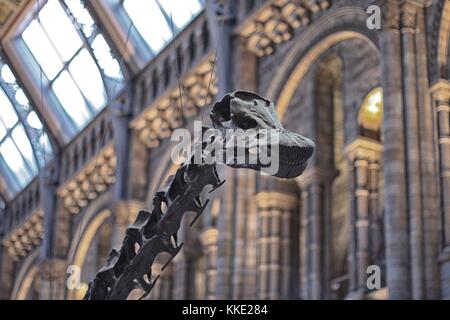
(244, 122)
(222, 109)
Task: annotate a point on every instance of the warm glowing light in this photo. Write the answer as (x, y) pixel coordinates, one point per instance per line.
(371, 112)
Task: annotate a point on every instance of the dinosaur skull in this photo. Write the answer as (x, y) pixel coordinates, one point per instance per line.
(251, 113)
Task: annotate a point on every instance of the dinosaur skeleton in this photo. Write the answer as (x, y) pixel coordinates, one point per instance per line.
(155, 232)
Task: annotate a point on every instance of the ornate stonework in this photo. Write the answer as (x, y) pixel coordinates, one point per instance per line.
(90, 182)
(26, 237)
(169, 112)
(276, 22)
(8, 9)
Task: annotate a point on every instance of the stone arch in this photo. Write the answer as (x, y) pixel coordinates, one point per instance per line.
(93, 219)
(25, 277)
(318, 65)
(329, 30)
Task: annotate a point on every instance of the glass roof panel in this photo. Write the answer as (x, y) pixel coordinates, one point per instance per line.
(60, 29)
(8, 115)
(34, 121)
(71, 98)
(62, 38)
(7, 74)
(20, 138)
(181, 11)
(150, 22)
(15, 162)
(107, 62)
(21, 130)
(89, 79)
(3, 131)
(42, 49)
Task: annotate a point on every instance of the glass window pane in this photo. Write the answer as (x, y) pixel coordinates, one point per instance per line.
(38, 43)
(2, 131)
(60, 29)
(15, 162)
(33, 121)
(7, 113)
(181, 11)
(150, 22)
(22, 98)
(23, 143)
(46, 146)
(81, 15)
(87, 76)
(7, 75)
(71, 99)
(107, 62)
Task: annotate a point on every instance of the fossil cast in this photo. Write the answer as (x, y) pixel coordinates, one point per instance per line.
(155, 231)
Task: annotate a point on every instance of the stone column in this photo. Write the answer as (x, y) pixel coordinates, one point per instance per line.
(125, 213)
(397, 236)
(53, 279)
(166, 284)
(225, 223)
(239, 243)
(375, 225)
(209, 242)
(221, 20)
(304, 254)
(48, 185)
(361, 198)
(414, 186)
(429, 161)
(274, 248)
(441, 97)
(363, 155)
(315, 184)
(180, 277)
(163, 289)
(6, 274)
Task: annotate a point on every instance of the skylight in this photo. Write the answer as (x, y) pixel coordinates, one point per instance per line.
(24, 145)
(74, 57)
(158, 20)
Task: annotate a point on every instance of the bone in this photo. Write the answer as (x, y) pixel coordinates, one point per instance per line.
(156, 231)
(246, 111)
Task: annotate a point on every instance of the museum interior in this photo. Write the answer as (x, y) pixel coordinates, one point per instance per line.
(92, 90)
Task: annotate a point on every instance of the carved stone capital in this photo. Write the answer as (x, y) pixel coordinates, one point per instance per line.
(364, 148)
(209, 237)
(419, 3)
(441, 90)
(266, 200)
(408, 16)
(390, 15)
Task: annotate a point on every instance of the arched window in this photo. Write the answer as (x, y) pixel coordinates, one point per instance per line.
(74, 57)
(158, 20)
(24, 144)
(370, 116)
